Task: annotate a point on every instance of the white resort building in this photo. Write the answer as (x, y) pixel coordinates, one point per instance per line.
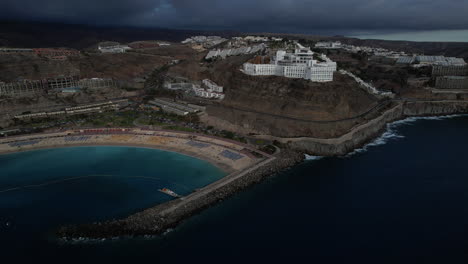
(328, 45)
(114, 49)
(209, 89)
(303, 63)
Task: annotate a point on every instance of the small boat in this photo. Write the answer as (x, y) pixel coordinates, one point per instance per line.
(169, 192)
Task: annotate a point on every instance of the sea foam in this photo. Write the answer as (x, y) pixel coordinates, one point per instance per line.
(310, 157)
(392, 134)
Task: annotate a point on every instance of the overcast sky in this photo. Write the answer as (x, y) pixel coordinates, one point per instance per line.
(249, 15)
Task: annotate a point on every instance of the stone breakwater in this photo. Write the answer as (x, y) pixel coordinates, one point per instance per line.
(158, 219)
(364, 133)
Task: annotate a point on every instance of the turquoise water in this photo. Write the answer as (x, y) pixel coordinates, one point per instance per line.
(429, 35)
(40, 190)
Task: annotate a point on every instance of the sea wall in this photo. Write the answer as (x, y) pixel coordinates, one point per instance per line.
(362, 134)
(348, 142)
(158, 219)
(433, 108)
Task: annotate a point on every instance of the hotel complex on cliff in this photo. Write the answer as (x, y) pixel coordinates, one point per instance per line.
(303, 63)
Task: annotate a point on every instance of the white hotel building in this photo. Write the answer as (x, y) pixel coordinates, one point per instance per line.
(209, 90)
(300, 64)
(328, 45)
(114, 49)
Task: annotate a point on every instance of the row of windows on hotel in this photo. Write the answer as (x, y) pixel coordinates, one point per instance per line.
(317, 73)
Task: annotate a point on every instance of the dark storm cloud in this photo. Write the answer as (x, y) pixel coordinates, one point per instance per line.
(83, 11)
(294, 15)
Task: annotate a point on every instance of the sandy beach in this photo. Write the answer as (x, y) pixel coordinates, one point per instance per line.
(227, 155)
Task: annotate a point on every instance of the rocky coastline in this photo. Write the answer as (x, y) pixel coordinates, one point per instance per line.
(365, 133)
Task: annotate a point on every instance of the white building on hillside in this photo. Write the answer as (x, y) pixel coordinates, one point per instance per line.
(209, 90)
(114, 49)
(303, 63)
(234, 52)
(256, 39)
(276, 39)
(328, 45)
(212, 86)
(423, 60)
(207, 41)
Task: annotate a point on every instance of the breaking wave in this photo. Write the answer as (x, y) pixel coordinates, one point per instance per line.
(392, 134)
(309, 157)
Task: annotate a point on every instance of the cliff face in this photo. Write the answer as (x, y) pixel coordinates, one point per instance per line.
(350, 141)
(435, 108)
(244, 121)
(297, 98)
(362, 134)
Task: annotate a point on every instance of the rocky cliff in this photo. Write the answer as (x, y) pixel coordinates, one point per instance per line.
(364, 133)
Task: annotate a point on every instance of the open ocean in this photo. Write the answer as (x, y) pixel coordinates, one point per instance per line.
(402, 199)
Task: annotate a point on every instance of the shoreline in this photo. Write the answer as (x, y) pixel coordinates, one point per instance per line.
(226, 155)
(389, 129)
(213, 162)
(372, 129)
